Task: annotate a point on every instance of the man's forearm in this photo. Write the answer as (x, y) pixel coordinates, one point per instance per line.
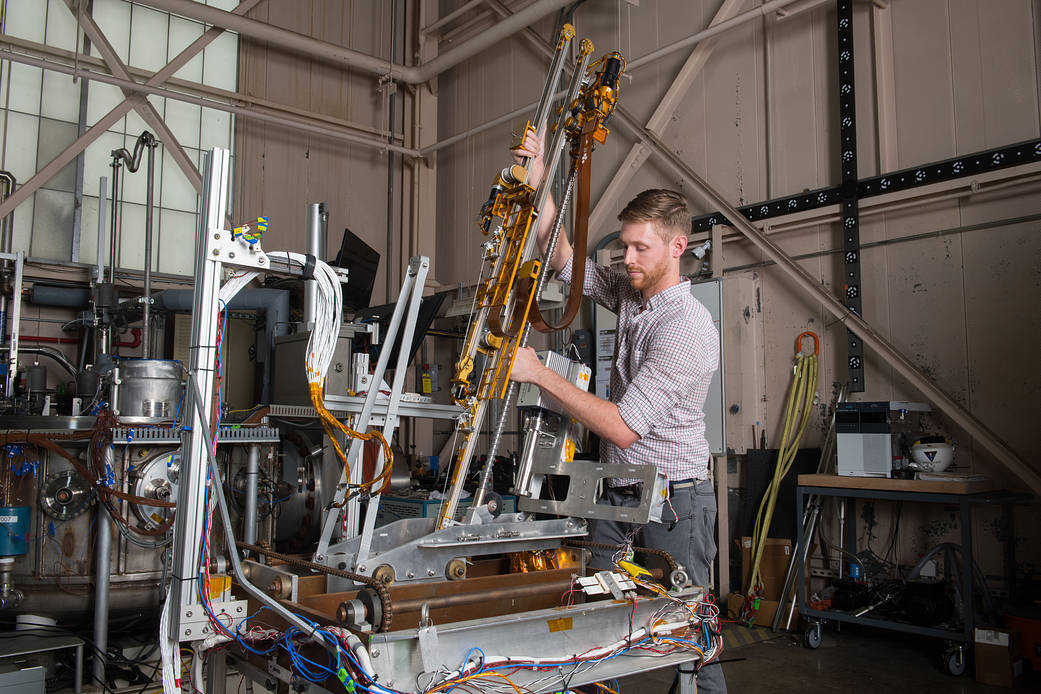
(598, 415)
(563, 251)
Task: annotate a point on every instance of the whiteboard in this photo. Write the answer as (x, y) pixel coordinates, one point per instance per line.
(710, 294)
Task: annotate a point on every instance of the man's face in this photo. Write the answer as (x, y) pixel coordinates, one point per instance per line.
(647, 257)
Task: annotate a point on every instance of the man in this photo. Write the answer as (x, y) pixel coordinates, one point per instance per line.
(666, 349)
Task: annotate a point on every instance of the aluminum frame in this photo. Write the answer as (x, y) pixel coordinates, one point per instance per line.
(397, 657)
(417, 552)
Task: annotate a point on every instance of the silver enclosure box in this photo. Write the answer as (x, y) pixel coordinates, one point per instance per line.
(865, 455)
(290, 375)
(18, 680)
(574, 372)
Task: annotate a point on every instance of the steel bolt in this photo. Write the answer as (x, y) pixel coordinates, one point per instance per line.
(411, 574)
(430, 572)
(375, 653)
(231, 254)
(216, 237)
(216, 252)
(261, 260)
(361, 568)
(188, 614)
(238, 609)
(187, 632)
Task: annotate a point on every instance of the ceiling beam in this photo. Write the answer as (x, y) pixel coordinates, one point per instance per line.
(379, 67)
(66, 156)
(142, 105)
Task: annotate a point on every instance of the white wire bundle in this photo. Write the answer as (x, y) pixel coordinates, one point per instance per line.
(167, 649)
(320, 347)
(328, 315)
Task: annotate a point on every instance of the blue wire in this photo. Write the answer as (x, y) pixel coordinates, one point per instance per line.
(177, 414)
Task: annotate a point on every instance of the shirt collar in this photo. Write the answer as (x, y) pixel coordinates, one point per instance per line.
(667, 296)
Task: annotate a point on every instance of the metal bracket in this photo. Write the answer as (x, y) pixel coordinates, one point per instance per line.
(195, 620)
(585, 488)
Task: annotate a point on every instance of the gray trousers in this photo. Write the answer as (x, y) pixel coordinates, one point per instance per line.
(687, 532)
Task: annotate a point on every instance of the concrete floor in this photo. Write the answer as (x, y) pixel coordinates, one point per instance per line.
(850, 661)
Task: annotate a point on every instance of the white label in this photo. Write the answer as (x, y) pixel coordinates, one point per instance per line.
(992, 636)
(8, 519)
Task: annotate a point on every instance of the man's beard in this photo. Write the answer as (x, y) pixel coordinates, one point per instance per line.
(649, 278)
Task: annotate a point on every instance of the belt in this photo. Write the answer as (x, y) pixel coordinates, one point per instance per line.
(636, 489)
(681, 484)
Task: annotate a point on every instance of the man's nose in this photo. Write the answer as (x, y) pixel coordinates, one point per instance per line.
(630, 256)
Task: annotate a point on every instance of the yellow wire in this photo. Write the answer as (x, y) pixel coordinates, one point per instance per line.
(477, 675)
(329, 423)
(804, 386)
(603, 686)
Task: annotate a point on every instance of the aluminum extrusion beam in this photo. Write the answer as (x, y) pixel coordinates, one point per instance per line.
(203, 353)
(293, 41)
(871, 337)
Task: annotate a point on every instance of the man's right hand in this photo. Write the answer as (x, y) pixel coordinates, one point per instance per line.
(531, 147)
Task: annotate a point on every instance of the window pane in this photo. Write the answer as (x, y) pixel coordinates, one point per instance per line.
(55, 136)
(61, 97)
(52, 225)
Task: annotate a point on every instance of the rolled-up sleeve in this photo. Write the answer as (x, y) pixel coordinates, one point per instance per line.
(601, 284)
(677, 357)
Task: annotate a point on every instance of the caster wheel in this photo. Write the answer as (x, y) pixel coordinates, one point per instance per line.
(813, 636)
(954, 662)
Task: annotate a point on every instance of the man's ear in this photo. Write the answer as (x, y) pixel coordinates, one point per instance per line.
(679, 245)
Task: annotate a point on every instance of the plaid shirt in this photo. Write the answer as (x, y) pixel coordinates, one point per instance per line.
(664, 357)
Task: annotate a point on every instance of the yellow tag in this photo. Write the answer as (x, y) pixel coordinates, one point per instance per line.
(218, 584)
(634, 570)
(569, 450)
(426, 384)
(559, 624)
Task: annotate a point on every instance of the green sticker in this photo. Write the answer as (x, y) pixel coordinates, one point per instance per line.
(345, 678)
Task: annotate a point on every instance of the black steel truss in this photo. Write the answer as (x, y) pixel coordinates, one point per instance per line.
(906, 179)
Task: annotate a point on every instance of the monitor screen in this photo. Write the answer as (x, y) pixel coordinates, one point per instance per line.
(361, 262)
(428, 309)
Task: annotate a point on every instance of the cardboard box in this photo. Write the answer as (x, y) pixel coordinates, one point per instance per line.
(764, 617)
(773, 567)
(999, 657)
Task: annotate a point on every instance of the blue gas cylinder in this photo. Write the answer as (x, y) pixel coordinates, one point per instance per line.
(14, 530)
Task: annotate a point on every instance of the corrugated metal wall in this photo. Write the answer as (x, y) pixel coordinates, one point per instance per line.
(760, 122)
(952, 281)
(278, 171)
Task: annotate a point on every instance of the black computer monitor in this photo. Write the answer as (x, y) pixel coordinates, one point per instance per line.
(361, 262)
(428, 309)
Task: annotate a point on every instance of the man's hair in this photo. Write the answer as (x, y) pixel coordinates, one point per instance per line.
(665, 208)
